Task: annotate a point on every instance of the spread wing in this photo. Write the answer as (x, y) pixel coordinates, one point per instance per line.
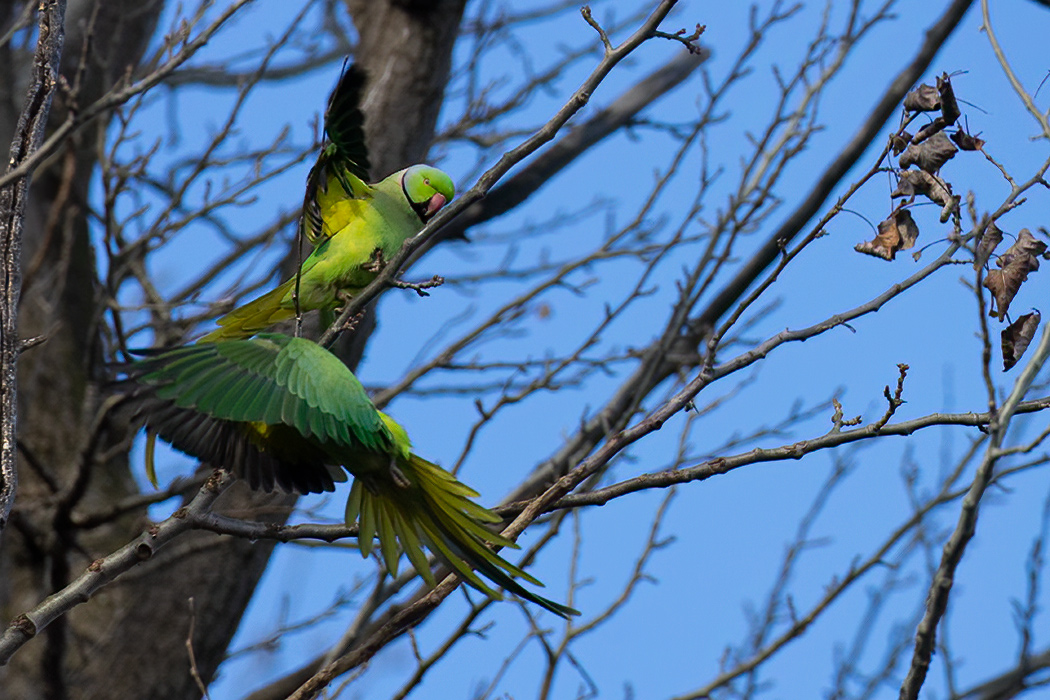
(341, 170)
(273, 408)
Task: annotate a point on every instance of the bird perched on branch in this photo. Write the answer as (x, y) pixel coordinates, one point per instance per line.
(355, 227)
(284, 412)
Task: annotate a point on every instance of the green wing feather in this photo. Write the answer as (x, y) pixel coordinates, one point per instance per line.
(271, 379)
(343, 159)
(325, 383)
(285, 412)
(223, 403)
(344, 123)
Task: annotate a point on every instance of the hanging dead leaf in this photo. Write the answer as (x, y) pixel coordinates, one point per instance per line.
(934, 127)
(1027, 247)
(965, 142)
(1017, 337)
(949, 110)
(911, 183)
(924, 98)
(915, 182)
(949, 107)
(896, 233)
(898, 142)
(1004, 284)
(929, 155)
(1017, 262)
(986, 244)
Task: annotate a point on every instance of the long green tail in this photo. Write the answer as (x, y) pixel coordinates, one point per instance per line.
(425, 505)
(255, 316)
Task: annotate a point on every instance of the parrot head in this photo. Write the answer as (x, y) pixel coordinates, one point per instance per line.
(427, 189)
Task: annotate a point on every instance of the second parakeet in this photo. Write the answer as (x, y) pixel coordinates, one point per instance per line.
(284, 412)
(354, 227)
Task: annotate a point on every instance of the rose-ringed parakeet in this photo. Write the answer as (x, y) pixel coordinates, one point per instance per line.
(354, 227)
(283, 411)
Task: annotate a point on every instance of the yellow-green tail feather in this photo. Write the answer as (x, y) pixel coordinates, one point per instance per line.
(434, 509)
(151, 465)
(255, 316)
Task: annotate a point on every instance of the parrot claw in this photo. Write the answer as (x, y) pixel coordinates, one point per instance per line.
(376, 263)
(351, 323)
(399, 476)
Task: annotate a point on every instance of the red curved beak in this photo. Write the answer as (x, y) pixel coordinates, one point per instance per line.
(434, 204)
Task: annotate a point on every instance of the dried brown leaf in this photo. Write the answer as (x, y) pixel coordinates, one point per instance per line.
(911, 183)
(1017, 337)
(898, 142)
(934, 127)
(986, 244)
(1003, 284)
(916, 182)
(1026, 246)
(929, 155)
(896, 233)
(966, 142)
(907, 228)
(945, 102)
(924, 98)
(949, 107)
(1017, 262)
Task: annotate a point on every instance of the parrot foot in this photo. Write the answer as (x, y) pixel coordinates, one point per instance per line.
(351, 323)
(399, 476)
(420, 288)
(376, 263)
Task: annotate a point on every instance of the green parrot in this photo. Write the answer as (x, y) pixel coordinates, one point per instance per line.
(284, 412)
(354, 227)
